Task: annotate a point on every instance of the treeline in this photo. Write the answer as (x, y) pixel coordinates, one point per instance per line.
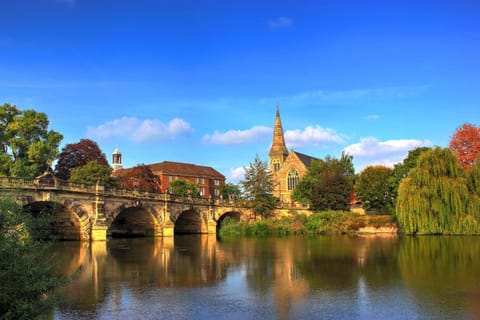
(433, 190)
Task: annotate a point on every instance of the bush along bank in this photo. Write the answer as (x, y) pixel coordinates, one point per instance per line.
(320, 223)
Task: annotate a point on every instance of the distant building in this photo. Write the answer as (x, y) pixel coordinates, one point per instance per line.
(116, 160)
(207, 179)
(286, 167)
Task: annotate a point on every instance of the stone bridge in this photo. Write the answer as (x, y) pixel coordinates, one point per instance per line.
(94, 212)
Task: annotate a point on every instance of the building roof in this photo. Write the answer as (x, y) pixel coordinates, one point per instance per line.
(306, 160)
(185, 169)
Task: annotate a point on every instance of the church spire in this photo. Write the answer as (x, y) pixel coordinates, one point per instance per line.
(278, 151)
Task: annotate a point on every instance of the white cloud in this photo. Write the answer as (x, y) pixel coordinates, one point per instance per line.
(140, 130)
(280, 22)
(372, 117)
(236, 174)
(350, 95)
(372, 151)
(312, 136)
(239, 136)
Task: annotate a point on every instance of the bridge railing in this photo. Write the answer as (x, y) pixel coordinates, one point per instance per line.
(62, 185)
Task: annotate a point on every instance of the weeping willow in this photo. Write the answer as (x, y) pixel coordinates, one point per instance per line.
(438, 197)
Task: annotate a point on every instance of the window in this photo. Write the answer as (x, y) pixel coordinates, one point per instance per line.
(170, 178)
(202, 191)
(217, 182)
(292, 179)
(217, 192)
(276, 165)
(202, 180)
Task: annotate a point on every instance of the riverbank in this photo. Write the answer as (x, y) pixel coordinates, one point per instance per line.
(328, 222)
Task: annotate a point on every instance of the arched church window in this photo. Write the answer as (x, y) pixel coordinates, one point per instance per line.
(292, 179)
(276, 165)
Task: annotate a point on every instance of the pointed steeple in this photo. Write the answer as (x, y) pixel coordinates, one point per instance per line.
(278, 151)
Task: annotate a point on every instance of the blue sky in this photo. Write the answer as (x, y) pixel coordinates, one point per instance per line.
(199, 81)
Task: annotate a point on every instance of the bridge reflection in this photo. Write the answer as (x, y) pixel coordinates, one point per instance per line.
(279, 274)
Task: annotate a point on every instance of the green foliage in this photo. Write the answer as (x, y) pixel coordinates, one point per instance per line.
(230, 191)
(183, 188)
(258, 188)
(28, 148)
(435, 198)
(325, 222)
(401, 170)
(78, 154)
(92, 173)
(327, 185)
(374, 189)
(290, 225)
(27, 277)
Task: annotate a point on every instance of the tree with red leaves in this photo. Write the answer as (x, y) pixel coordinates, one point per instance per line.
(139, 178)
(465, 142)
(76, 155)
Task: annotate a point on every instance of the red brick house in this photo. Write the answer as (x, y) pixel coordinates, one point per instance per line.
(207, 179)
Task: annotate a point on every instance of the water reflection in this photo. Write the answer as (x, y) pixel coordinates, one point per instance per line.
(275, 278)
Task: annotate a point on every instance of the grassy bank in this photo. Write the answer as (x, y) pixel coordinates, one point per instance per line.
(328, 222)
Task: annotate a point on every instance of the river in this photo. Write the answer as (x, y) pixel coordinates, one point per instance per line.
(328, 277)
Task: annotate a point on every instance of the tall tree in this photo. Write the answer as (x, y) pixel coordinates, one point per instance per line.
(28, 148)
(401, 170)
(230, 190)
(374, 189)
(140, 178)
(92, 173)
(328, 184)
(435, 199)
(78, 154)
(465, 142)
(258, 188)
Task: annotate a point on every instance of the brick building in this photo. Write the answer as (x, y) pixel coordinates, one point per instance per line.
(207, 179)
(286, 167)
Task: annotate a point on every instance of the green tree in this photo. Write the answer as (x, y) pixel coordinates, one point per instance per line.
(374, 189)
(28, 148)
(258, 187)
(328, 184)
(27, 275)
(401, 170)
(78, 154)
(230, 190)
(92, 173)
(435, 198)
(332, 193)
(183, 188)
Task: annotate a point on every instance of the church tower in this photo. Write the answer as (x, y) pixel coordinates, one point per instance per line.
(117, 160)
(278, 152)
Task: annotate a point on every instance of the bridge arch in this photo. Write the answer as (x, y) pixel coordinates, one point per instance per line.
(133, 222)
(190, 221)
(60, 223)
(232, 215)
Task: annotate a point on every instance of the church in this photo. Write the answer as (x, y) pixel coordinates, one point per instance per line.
(286, 167)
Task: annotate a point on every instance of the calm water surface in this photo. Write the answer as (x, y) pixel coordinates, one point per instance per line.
(202, 277)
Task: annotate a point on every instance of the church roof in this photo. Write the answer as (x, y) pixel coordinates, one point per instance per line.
(306, 160)
(185, 169)
(278, 147)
